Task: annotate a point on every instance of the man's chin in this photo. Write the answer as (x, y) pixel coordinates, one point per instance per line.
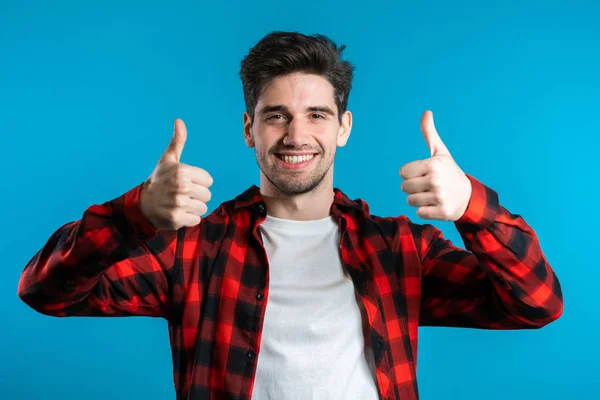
(294, 190)
(294, 186)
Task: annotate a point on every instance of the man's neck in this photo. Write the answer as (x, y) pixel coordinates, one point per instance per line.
(306, 207)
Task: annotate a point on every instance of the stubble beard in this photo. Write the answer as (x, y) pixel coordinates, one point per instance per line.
(290, 183)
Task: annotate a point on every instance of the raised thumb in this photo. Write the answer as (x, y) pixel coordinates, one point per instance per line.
(434, 142)
(173, 152)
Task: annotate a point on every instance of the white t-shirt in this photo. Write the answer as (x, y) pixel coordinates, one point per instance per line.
(314, 343)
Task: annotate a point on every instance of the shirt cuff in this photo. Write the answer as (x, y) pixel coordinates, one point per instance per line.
(483, 205)
(138, 224)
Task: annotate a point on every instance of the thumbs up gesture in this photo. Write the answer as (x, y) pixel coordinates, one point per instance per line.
(175, 195)
(436, 185)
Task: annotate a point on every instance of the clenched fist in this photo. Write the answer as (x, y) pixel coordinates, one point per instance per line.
(175, 195)
(436, 185)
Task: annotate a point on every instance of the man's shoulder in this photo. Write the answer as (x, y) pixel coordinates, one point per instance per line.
(366, 221)
(248, 198)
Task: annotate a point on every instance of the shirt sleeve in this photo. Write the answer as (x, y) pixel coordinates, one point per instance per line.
(111, 262)
(502, 281)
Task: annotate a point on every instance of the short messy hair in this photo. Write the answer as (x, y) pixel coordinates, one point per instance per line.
(281, 53)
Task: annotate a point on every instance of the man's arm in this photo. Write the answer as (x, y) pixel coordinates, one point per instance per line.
(102, 265)
(503, 282)
(118, 258)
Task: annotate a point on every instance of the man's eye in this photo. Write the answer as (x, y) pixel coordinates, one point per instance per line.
(275, 117)
(317, 116)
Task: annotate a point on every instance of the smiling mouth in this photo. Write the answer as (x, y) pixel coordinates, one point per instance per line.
(295, 159)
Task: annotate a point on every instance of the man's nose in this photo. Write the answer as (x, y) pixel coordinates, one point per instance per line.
(297, 133)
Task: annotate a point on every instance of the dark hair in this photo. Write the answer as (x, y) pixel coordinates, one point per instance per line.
(281, 53)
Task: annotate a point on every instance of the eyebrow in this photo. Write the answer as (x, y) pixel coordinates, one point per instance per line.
(282, 108)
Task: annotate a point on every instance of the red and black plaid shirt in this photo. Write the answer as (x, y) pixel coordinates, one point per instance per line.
(211, 282)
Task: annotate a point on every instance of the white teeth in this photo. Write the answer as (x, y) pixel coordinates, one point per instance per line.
(297, 159)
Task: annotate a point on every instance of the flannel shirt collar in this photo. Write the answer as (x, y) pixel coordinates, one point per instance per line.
(252, 198)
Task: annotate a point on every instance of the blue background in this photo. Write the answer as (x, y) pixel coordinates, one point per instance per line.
(88, 98)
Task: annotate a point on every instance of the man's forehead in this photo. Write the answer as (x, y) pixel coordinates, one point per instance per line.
(297, 91)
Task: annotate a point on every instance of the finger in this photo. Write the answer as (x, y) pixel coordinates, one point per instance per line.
(199, 176)
(416, 185)
(183, 203)
(192, 190)
(199, 192)
(186, 173)
(194, 206)
(175, 148)
(422, 199)
(434, 142)
(188, 219)
(415, 169)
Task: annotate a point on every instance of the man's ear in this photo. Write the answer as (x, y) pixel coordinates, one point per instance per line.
(345, 129)
(248, 137)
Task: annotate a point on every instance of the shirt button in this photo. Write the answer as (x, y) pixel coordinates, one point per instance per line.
(251, 354)
(260, 207)
(260, 296)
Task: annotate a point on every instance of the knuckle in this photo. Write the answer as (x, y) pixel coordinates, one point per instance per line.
(179, 174)
(180, 200)
(181, 186)
(173, 215)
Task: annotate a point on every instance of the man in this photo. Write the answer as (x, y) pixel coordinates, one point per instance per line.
(292, 290)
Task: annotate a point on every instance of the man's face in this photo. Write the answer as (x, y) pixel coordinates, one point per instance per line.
(296, 116)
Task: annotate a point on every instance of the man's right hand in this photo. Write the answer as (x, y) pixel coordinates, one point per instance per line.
(175, 195)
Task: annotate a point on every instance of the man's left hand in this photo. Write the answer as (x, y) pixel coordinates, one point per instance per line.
(436, 185)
